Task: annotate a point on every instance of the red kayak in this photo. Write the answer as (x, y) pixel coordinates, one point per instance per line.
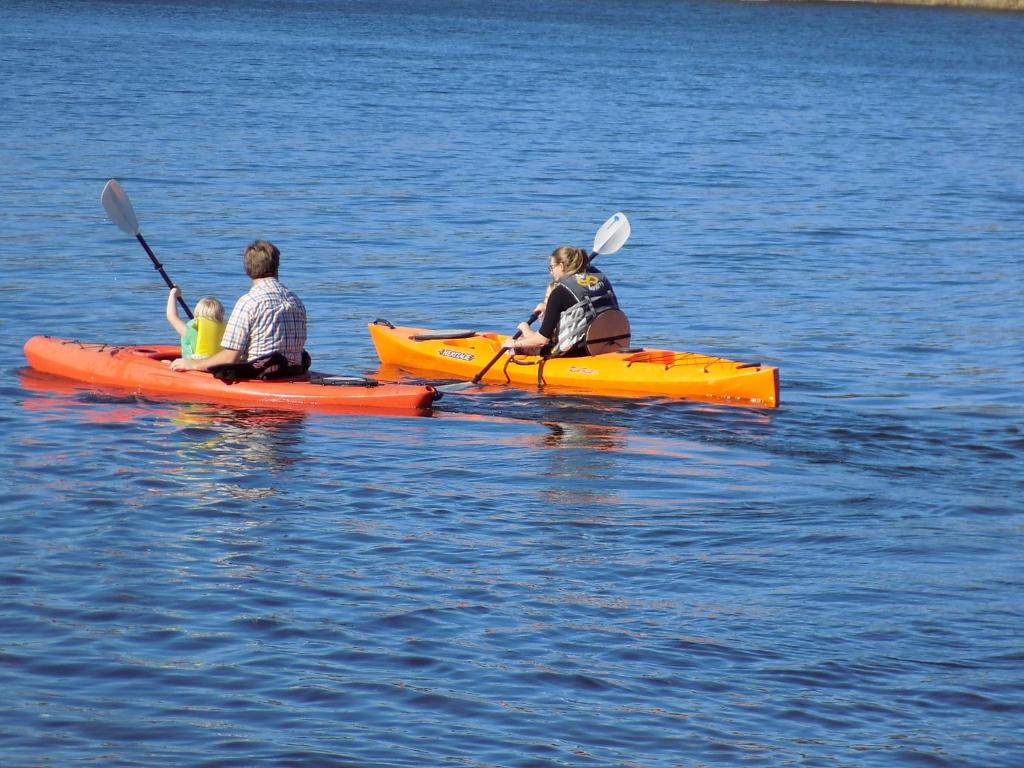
(145, 370)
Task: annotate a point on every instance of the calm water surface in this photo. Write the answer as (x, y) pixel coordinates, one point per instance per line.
(521, 580)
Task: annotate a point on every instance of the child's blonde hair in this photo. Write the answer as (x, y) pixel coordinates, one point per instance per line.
(209, 308)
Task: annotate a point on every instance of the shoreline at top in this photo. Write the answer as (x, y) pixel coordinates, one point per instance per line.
(985, 5)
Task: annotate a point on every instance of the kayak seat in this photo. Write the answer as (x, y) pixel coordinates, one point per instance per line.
(270, 367)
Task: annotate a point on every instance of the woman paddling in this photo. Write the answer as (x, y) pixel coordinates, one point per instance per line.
(579, 315)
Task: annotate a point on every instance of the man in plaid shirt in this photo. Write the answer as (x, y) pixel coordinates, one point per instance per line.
(269, 318)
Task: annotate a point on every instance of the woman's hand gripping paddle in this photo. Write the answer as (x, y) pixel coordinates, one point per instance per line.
(609, 238)
(119, 209)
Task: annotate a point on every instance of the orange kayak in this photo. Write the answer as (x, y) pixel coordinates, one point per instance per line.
(634, 372)
(145, 370)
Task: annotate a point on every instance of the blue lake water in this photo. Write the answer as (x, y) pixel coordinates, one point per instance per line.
(520, 579)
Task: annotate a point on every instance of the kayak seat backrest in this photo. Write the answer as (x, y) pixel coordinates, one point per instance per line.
(609, 332)
(270, 367)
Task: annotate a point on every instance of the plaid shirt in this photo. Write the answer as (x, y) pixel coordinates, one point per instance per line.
(269, 318)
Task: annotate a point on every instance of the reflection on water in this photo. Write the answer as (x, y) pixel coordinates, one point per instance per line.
(237, 452)
(586, 436)
(583, 460)
(216, 447)
(56, 397)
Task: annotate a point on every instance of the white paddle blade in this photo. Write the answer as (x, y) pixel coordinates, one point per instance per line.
(612, 235)
(119, 208)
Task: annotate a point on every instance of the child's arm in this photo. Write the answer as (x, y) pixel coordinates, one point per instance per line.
(172, 312)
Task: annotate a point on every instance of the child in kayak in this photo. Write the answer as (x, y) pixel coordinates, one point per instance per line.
(268, 324)
(201, 336)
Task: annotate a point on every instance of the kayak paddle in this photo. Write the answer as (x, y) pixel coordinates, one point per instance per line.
(119, 209)
(609, 238)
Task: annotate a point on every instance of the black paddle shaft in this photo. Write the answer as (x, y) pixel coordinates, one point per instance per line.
(160, 268)
(516, 335)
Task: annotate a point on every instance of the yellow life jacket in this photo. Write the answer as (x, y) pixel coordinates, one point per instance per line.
(202, 338)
